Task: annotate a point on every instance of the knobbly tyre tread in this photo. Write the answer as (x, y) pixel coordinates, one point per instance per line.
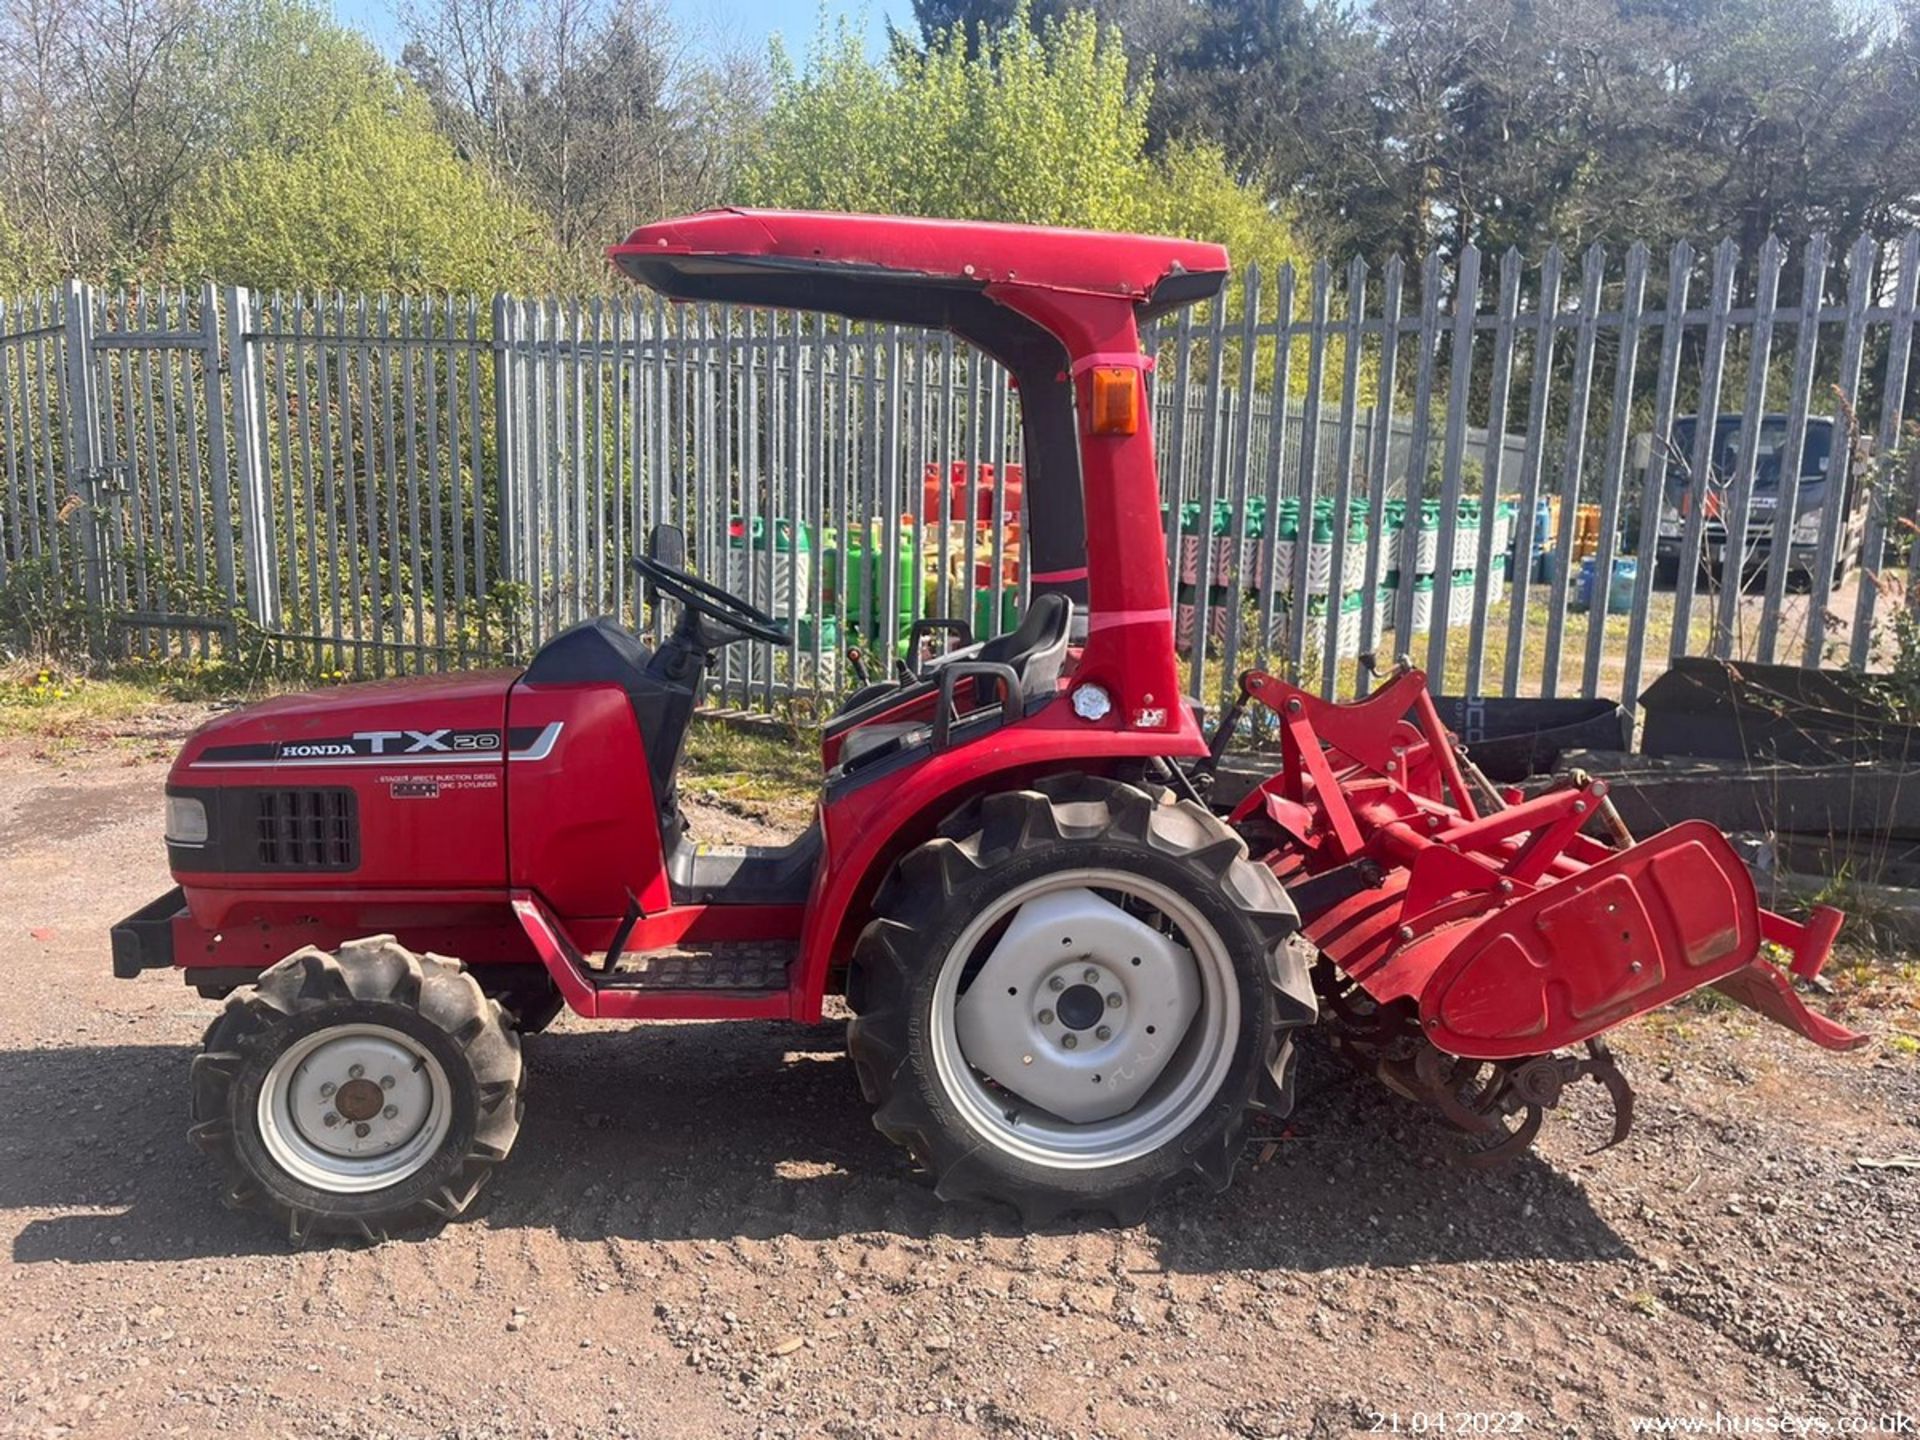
(378, 971)
(934, 888)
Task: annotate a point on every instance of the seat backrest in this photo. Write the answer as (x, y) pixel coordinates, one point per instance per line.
(1036, 648)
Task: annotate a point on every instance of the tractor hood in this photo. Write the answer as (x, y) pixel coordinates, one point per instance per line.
(411, 722)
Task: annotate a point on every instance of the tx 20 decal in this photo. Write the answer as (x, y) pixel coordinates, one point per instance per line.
(427, 746)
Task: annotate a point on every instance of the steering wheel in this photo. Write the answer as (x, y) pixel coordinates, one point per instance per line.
(701, 597)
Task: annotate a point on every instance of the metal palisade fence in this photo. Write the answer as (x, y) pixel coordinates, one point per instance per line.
(1532, 479)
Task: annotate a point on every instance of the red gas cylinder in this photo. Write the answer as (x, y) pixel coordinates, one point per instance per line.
(952, 505)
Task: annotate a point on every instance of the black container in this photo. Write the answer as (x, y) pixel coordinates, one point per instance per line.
(1513, 739)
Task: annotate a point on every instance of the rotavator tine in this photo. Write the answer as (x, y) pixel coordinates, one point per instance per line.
(1603, 1067)
(1515, 1142)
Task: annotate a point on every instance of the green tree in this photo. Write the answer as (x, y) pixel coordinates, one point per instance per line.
(1036, 123)
(1043, 125)
(377, 201)
(111, 112)
(1402, 126)
(596, 112)
(1192, 192)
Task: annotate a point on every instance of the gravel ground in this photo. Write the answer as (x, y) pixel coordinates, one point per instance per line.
(701, 1234)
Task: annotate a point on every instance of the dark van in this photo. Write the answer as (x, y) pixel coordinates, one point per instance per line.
(1764, 529)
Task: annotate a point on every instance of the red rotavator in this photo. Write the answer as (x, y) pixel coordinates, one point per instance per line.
(1071, 981)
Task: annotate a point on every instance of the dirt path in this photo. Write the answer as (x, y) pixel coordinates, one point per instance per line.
(701, 1234)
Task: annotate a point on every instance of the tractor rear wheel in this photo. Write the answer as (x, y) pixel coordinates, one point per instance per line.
(1071, 998)
(358, 1092)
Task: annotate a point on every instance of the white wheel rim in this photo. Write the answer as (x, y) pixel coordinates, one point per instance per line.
(1189, 1077)
(354, 1108)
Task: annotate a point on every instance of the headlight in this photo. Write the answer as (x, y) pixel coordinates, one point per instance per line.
(186, 821)
(1807, 526)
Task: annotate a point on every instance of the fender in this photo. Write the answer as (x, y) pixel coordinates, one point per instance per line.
(872, 823)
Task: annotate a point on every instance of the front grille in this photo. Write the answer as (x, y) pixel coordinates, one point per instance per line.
(306, 830)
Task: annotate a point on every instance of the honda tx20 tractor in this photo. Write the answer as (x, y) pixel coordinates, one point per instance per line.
(1071, 978)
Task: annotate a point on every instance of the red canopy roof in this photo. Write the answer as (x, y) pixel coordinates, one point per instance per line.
(958, 251)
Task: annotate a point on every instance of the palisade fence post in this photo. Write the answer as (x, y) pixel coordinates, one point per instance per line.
(250, 453)
(1309, 481)
(1813, 268)
(1453, 449)
(1346, 452)
(1593, 273)
(84, 471)
(1613, 472)
(1545, 326)
(1494, 464)
(1379, 467)
(218, 471)
(1726, 257)
(1666, 393)
(1739, 495)
(1413, 488)
(506, 434)
(1840, 477)
(1239, 459)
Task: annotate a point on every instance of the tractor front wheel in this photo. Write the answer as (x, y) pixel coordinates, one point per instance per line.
(1071, 998)
(358, 1092)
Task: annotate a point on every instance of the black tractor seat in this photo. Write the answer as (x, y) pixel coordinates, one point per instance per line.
(1034, 650)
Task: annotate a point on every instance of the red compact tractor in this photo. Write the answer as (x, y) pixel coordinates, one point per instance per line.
(1071, 978)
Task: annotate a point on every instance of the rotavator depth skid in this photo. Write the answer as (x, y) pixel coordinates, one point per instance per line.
(1071, 979)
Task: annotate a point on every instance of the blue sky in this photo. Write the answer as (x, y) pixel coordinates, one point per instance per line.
(707, 22)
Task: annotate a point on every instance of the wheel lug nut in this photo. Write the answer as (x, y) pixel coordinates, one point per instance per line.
(390, 1112)
(329, 1119)
(1056, 983)
(1103, 1033)
(1114, 1002)
(327, 1088)
(386, 1082)
(1069, 1042)
(362, 1129)
(1090, 975)
(356, 1071)
(1045, 1017)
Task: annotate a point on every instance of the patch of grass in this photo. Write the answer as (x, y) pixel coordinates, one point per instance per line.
(52, 700)
(1879, 923)
(1662, 623)
(1669, 1023)
(1881, 993)
(1708, 1001)
(47, 701)
(770, 767)
(215, 679)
